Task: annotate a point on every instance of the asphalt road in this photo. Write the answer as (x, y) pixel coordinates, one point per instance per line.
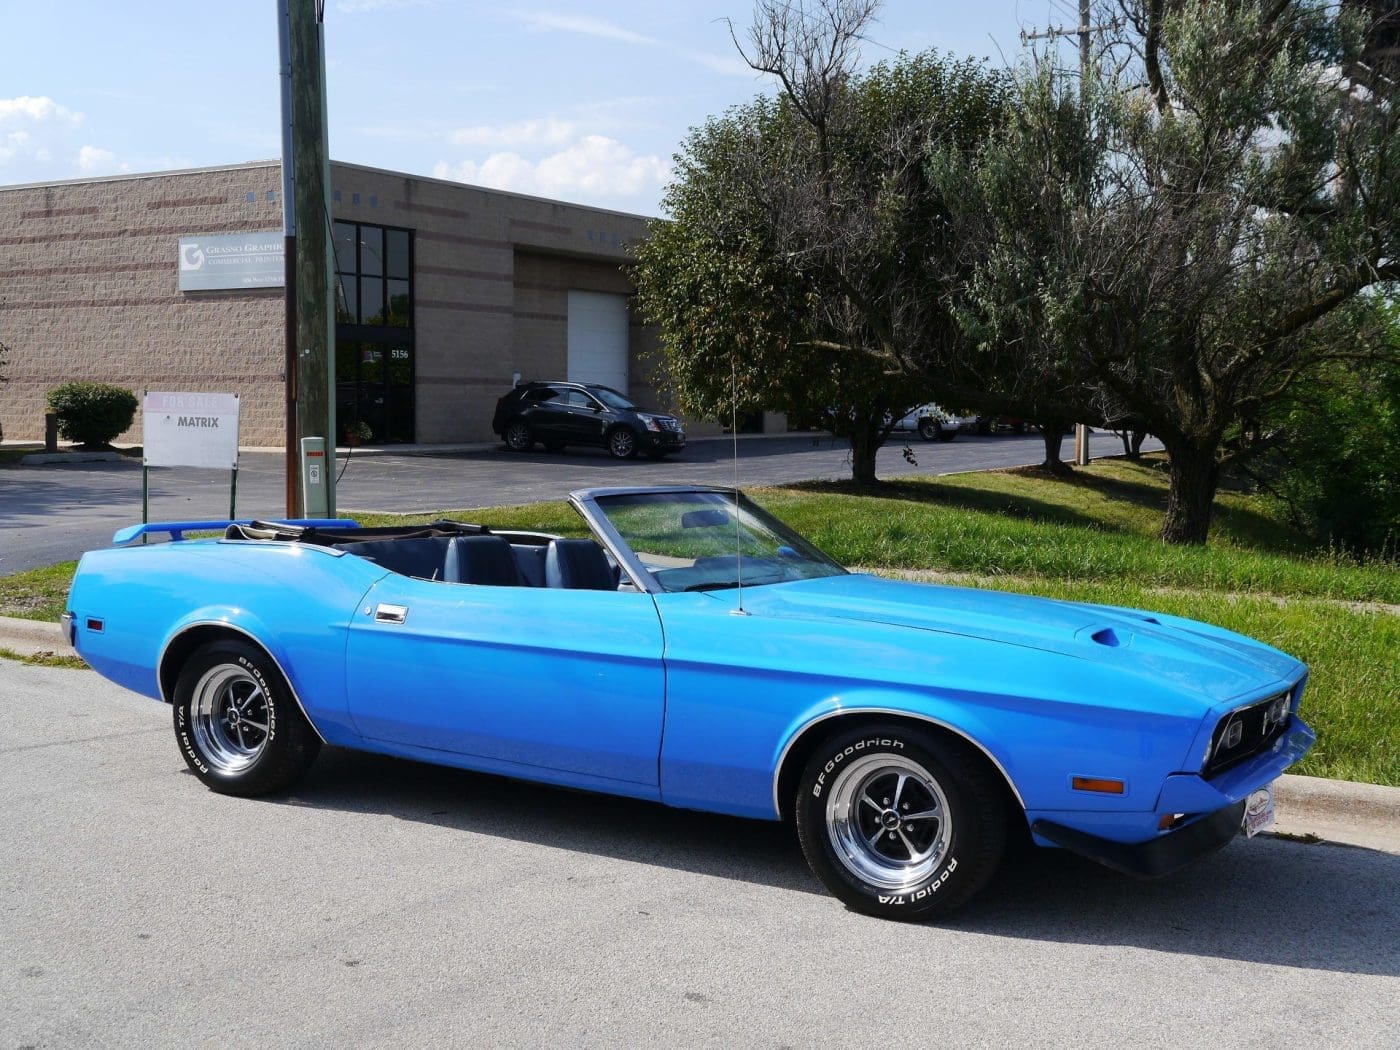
(52, 514)
(387, 903)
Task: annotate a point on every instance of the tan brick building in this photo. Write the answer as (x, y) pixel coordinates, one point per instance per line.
(448, 291)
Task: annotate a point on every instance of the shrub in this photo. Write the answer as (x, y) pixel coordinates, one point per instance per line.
(92, 414)
(1337, 465)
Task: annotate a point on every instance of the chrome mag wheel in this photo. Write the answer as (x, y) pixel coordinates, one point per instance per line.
(622, 443)
(230, 717)
(888, 821)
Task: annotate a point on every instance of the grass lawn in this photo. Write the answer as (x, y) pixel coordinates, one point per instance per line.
(1091, 538)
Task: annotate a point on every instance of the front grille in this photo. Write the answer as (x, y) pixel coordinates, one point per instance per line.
(667, 423)
(1246, 732)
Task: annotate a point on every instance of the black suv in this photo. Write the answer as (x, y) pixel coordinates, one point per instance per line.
(559, 414)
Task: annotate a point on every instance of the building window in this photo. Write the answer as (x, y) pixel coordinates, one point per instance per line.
(374, 332)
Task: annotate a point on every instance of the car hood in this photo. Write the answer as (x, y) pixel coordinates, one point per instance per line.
(1196, 658)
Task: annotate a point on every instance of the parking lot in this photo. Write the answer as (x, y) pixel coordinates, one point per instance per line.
(51, 514)
(389, 903)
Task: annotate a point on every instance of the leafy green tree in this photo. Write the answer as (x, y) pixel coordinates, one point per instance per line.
(802, 265)
(1214, 219)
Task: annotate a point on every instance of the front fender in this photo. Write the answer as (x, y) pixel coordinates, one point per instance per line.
(820, 717)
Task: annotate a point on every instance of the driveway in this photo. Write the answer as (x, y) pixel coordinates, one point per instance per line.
(52, 514)
(387, 903)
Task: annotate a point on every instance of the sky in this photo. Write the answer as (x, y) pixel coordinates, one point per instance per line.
(580, 101)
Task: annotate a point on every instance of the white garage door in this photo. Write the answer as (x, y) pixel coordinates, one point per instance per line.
(598, 339)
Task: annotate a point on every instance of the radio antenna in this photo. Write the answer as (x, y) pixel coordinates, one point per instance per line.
(734, 434)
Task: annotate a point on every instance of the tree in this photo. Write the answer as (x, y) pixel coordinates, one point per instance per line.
(1329, 451)
(1228, 196)
(799, 263)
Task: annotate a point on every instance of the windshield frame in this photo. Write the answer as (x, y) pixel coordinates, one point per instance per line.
(586, 503)
(606, 395)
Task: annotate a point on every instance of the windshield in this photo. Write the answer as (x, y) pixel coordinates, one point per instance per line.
(695, 541)
(611, 397)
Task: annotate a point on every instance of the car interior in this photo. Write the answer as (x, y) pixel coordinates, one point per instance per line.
(459, 552)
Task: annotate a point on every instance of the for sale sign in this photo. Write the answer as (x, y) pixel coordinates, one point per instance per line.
(190, 430)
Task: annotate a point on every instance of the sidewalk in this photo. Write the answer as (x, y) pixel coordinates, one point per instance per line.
(1334, 811)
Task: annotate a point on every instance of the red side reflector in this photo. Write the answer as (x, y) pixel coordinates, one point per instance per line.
(1100, 784)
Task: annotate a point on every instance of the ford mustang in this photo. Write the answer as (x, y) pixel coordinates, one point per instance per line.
(695, 651)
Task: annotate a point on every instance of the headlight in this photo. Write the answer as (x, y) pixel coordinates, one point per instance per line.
(650, 423)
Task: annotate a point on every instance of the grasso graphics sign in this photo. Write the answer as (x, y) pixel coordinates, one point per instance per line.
(190, 430)
(231, 260)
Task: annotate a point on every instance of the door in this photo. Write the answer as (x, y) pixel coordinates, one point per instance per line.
(584, 418)
(537, 677)
(598, 339)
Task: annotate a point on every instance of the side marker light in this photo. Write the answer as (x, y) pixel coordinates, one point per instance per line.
(1102, 785)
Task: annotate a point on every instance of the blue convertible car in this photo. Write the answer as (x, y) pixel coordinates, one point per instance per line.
(697, 652)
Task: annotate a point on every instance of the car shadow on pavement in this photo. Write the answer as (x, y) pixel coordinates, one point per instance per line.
(1269, 900)
(761, 852)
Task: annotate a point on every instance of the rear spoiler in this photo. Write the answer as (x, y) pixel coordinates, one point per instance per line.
(177, 529)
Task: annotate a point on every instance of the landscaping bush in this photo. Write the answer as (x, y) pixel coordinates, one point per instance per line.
(1337, 465)
(92, 414)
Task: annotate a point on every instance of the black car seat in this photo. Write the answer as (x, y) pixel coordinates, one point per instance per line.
(481, 559)
(578, 565)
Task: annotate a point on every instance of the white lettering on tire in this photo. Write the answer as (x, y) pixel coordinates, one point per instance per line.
(817, 788)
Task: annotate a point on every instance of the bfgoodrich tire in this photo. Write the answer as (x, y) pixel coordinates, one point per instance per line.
(236, 723)
(900, 823)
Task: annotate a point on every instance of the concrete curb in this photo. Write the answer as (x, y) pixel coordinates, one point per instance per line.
(40, 459)
(32, 636)
(1333, 810)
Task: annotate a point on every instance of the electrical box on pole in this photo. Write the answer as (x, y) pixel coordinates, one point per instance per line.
(315, 477)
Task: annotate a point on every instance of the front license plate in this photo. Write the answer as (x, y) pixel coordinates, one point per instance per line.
(1258, 812)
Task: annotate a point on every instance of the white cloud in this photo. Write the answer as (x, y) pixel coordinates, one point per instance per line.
(594, 166)
(34, 130)
(40, 109)
(552, 21)
(360, 7)
(94, 160)
(557, 22)
(729, 65)
(549, 131)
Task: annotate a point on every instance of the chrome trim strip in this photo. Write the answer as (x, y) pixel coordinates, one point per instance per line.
(252, 638)
(778, 770)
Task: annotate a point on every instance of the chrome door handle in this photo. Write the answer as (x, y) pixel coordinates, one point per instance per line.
(386, 613)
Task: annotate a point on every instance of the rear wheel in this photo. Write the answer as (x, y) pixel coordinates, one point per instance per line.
(899, 823)
(930, 430)
(518, 437)
(238, 727)
(622, 443)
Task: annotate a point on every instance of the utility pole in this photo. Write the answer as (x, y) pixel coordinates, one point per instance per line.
(1083, 31)
(306, 209)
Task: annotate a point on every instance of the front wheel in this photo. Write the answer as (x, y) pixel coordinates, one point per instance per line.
(238, 727)
(622, 443)
(518, 437)
(900, 823)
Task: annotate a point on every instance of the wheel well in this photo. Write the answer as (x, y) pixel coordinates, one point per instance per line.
(183, 645)
(811, 738)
